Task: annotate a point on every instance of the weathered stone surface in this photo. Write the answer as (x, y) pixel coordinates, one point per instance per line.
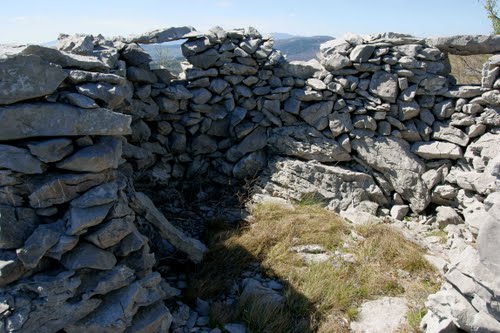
(307, 143)
(316, 115)
(57, 189)
(51, 150)
(97, 196)
(385, 86)
(338, 186)
(111, 232)
(85, 255)
(49, 119)
(16, 225)
(11, 268)
(105, 154)
(65, 59)
(489, 233)
(145, 207)
(302, 69)
(82, 218)
(446, 132)
(398, 212)
(467, 44)
(361, 53)
(161, 35)
(403, 170)
(50, 305)
(335, 62)
(35, 247)
(27, 77)
(111, 95)
(437, 150)
(370, 319)
(250, 165)
(153, 318)
(254, 141)
(447, 215)
(117, 310)
(20, 160)
(80, 101)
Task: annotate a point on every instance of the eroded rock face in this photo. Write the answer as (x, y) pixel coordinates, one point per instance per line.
(337, 186)
(47, 119)
(393, 158)
(28, 77)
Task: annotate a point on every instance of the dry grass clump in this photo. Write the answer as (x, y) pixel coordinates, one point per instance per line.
(319, 297)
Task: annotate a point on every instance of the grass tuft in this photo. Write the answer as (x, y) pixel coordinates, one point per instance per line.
(319, 297)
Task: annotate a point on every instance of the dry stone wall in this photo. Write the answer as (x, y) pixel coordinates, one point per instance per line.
(376, 122)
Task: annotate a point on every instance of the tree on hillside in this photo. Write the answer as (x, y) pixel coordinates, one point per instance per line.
(491, 9)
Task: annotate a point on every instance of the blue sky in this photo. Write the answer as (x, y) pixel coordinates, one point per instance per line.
(29, 21)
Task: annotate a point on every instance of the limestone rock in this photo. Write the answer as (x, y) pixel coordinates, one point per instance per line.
(57, 189)
(161, 35)
(20, 160)
(307, 143)
(467, 44)
(385, 86)
(316, 115)
(446, 216)
(52, 150)
(85, 255)
(16, 225)
(27, 77)
(65, 59)
(437, 150)
(398, 212)
(145, 207)
(35, 247)
(49, 119)
(370, 319)
(393, 158)
(105, 154)
(97, 196)
(339, 187)
(81, 219)
(302, 69)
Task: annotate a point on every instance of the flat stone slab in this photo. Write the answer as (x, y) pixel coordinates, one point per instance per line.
(383, 315)
(51, 119)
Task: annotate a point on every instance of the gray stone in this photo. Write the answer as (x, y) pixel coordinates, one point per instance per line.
(361, 53)
(50, 119)
(204, 60)
(161, 35)
(340, 123)
(65, 59)
(11, 268)
(392, 157)
(398, 212)
(145, 207)
(35, 247)
(447, 215)
(467, 44)
(235, 328)
(385, 86)
(302, 69)
(316, 115)
(27, 77)
(103, 282)
(111, 232)
(335, 62)
(97, 196)
(58, 189)
(80, 101)
(250, 165)
(79, 43)
(51, 150)
(307, 143)
(82, 218)
(20, 160)
(153, 318)
(141, 75)
(316, 84)
(408, 110)
(85, 255)
(111, 95)
(254, 141)
(465, 92)
(371, 321)
(105, 154)
(16, 225)
(445, 132)
(238, 69)
(203, 144)
(135, 55)
(339, 187)
(117, 309)
(437, 150)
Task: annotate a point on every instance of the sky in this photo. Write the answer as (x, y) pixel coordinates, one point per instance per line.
(39, 21)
